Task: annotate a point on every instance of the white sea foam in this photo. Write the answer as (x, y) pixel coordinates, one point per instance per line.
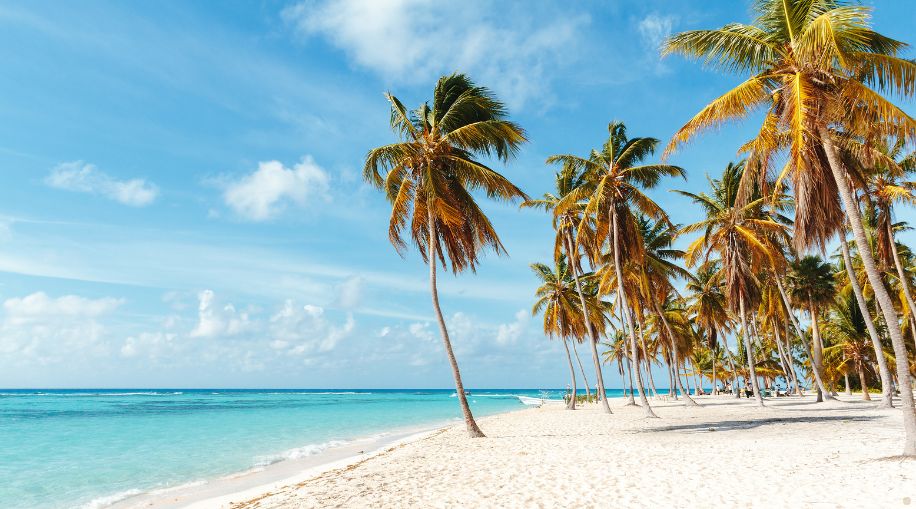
(298, 452)
(107, 500)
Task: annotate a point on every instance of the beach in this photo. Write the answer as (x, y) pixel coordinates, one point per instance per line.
(727, 453)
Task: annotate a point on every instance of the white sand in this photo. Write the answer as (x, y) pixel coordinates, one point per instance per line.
(795, 453)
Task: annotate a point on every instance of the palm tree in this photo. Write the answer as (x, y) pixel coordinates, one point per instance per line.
(819, 70)
(558, 299)
(709, 309)
(569, 234)
(811, 285)
(614, 187)
(847, 332)
(745, 238)
(429, 175)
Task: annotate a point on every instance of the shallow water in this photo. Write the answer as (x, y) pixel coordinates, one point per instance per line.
(90, 448)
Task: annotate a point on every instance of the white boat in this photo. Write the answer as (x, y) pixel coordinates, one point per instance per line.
(530, 401)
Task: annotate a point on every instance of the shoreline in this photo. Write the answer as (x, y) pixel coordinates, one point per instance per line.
(730, 453)
(246, 484)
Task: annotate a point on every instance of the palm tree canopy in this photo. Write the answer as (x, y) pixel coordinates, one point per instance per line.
(813, 65)
(811, 280)
(434, 169)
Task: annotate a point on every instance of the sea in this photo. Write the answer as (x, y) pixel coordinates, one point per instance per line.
(90, 448)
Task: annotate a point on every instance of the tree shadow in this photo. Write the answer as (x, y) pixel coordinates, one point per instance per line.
(729, 425)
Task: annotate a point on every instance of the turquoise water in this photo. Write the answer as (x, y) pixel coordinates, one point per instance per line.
(87, 448)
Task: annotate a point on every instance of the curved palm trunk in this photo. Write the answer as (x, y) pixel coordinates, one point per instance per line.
(588, 392)
(848, 389)
(881, 294)
(817, 362)
(887, 391)
(628, 318)
(672, 385)
(751, 369)
(817, 377)
(588, 325)
(571, 404)
(784, 361)
(904, 282)
(862, 383)
(473, 429)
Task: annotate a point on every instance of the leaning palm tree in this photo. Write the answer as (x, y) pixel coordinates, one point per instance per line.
(614, 186)
(819, 70)
(745, 237)
(811, 286)
(429, 176)
(708, 308)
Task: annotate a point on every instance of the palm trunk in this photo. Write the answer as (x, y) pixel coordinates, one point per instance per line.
(631, 400)
(672, 385)
(783, 359)
(752, 371)
(790, 359)
(645, 355)
(817, 377)
(588, 392)
(881, 294)
(628, 318)
(658, 310)
(904, 282)
(588, 323)
(731, 364)
(862, 382)
(817, 362)
(715, 380)
(469, 421)
(848, 390)
(571, 405)
(887, 391)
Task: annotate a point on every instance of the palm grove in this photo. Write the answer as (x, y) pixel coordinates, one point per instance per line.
(832, 157)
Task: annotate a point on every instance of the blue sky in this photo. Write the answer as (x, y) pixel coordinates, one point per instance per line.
(181, 202)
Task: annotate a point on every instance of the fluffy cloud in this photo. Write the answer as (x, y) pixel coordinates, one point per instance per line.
(213, 320)
(305, 329)
(47, 329)
(83, 177)
(509, 333)
(350, 292)
(418, 40)
(264, 193)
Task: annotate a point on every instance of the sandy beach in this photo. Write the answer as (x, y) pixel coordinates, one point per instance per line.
(728, 453)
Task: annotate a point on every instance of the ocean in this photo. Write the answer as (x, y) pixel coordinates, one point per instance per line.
(89, 448)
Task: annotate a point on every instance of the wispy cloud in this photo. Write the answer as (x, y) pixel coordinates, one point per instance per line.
(654, 29)
(83, 177)
(413, 41)
(264, 193)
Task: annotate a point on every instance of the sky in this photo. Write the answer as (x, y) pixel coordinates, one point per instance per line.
(181, 200)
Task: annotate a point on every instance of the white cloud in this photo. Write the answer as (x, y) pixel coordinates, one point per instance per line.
(48, 329)
(306, 330)
(654, 29)
(350, 292)
(415, 41)
(264, 193)
(83, 177)
(510, 333)
(215, 321)
(150, 344)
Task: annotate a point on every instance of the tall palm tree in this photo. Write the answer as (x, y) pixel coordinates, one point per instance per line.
(846, 331)
(811, 285)
(558, 300)
(429, 176)
(745, 239)
(571, 230)
(615, 180)
(709, 309)
(819, 70)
